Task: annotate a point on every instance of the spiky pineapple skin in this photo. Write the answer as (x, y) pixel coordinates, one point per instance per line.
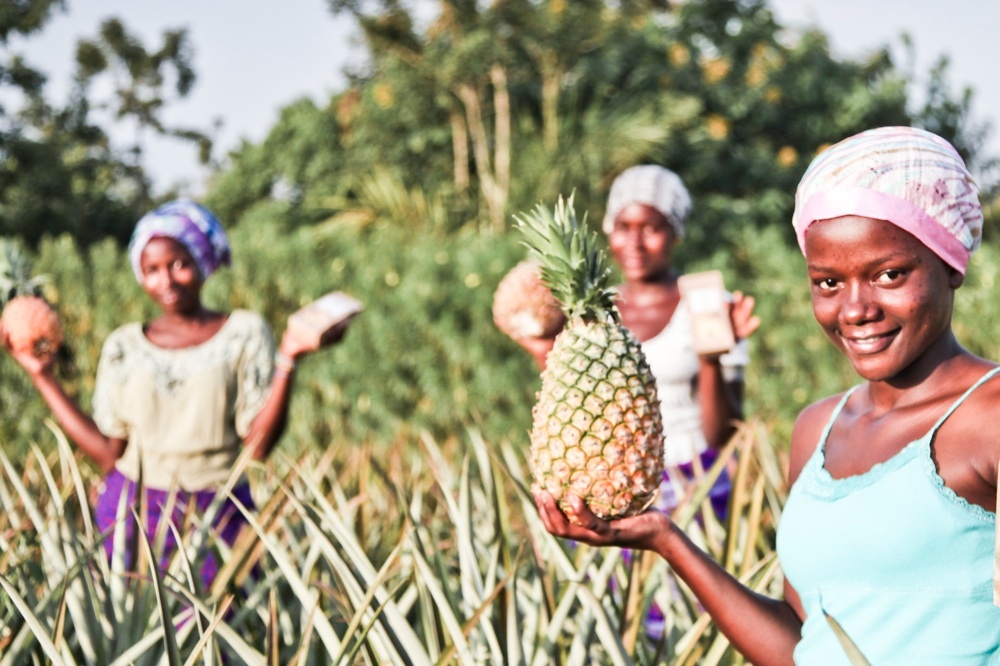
(32, 326)
(523, 307)
(596, 427)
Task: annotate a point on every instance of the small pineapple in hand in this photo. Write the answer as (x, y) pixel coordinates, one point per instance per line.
(596, 431)
(31, 325)
(523, 307)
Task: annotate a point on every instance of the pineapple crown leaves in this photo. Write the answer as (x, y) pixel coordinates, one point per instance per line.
(15, 272)
(574, 269)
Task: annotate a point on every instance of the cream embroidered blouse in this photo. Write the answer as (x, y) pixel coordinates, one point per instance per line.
(183, 411)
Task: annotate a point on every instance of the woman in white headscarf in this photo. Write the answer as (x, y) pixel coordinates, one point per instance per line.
(700, 395)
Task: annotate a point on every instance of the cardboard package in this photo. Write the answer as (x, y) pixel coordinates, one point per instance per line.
(706, 298)
(316, 323)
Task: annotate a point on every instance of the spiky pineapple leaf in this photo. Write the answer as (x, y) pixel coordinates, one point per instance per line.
(573, 267)
(16, 278)
(854, 653)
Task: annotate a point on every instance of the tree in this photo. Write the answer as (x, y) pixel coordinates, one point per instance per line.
(490, 107)
(59, 171)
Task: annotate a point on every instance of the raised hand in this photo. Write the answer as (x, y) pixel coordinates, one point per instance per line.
(745, 322)
(33, 365)
(539, 348)
(642, 531)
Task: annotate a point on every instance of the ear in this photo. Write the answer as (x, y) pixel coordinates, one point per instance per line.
(955, 279)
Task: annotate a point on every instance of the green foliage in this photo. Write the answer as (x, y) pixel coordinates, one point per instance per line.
(573, 266)
(425, 355)
(24, 18)
(60, 172)
(491, 108)
(422, 552)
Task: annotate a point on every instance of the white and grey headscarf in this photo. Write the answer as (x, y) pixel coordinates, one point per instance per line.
(653, 186)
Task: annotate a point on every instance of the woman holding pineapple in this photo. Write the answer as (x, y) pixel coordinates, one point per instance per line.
(177, 398)
(889, 526)
(700, 395)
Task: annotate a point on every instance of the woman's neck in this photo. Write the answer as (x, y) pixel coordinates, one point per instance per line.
(195, 317)
(175, 330)
(647, 306)
(933, 374)
(650, 289)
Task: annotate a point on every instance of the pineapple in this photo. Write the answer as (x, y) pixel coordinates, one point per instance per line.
(523, 307)
(596, 426)
(31, 325)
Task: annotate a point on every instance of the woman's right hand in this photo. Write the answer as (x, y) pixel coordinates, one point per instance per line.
(539, 348)
(639, 532)
(35, 366)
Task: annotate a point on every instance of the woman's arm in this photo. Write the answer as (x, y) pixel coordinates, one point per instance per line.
(765, 630)
(539, 348)
(269, 424)
(721, 400)
(77, 424)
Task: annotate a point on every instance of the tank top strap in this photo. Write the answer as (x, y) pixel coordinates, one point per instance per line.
(955, 405)
(833, 417)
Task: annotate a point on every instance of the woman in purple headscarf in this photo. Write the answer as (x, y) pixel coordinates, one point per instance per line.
(177, 398)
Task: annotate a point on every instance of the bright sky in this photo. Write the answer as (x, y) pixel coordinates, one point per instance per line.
(252, 58)
(962, 30)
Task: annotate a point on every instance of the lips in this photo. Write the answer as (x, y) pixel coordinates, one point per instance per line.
(173, 297)
(634, 263)
(871, 343)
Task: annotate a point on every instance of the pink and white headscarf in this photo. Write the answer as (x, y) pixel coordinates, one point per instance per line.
(190, 224)
(654, 186)
(903, 175)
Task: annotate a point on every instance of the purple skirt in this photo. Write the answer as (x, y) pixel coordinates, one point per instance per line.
(718, 495)
(227, 524)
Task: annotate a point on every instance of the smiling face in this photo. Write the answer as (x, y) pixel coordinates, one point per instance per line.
(881, 296)
(170, 276)
(640, 241)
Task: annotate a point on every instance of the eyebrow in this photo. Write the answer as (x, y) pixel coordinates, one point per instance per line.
(894, 256)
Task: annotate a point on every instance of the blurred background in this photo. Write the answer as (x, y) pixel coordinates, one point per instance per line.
(381, 147)
(252, 59)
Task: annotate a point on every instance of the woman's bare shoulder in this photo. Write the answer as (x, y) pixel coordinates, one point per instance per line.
(978, 418)
(808, 430)
(967, 447)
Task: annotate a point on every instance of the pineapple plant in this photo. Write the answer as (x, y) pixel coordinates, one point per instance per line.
(523, 307)
(596, 426)
(30, 323)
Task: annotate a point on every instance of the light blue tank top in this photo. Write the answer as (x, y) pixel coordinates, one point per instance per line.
(897, 558)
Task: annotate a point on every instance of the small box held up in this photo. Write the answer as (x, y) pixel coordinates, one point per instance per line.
(316, 323)
(706, 298)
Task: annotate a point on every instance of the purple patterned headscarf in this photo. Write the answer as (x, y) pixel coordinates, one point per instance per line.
(190, 224)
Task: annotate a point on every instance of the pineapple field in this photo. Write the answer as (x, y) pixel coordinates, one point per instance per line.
(394, 523)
